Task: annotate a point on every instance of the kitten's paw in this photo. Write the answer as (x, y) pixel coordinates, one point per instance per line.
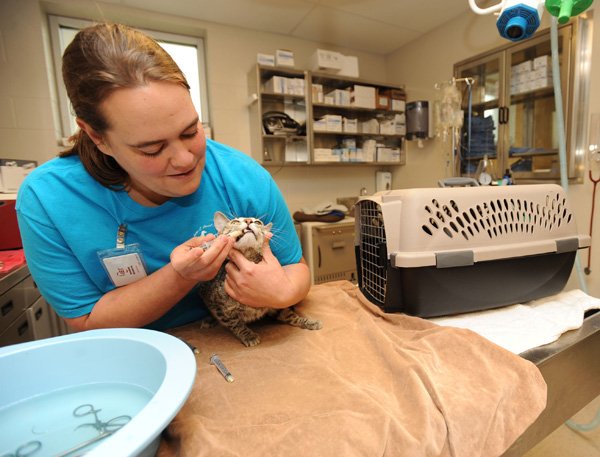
(313, 324)
(251, 341)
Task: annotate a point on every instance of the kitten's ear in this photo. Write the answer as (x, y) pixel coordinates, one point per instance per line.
(268, 226)
(220, 221)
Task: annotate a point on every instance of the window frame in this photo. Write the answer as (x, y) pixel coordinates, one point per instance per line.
(64, 104)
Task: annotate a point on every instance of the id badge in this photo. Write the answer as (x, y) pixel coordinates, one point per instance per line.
(123, 265)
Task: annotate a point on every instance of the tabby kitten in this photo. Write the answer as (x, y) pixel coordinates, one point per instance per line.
(249, 234)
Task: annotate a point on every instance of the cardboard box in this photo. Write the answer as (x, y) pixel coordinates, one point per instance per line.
(340, 97)
(350, 125)
(265, 59)
(334, 122)
(385, 154)
(542, 62)
(13, 173)
(275, 85)
(383, 99)
(326, 61)
(283, 85)
(349, 66)
(363, 96)
(397, 94)
(284, 58)
(398, 105)
(317, 93)
(325, 155)
(369, 150)
(369, 126)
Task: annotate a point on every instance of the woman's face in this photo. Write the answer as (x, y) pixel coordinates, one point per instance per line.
(156, 137)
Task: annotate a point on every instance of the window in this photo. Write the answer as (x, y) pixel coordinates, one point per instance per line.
(187, 52)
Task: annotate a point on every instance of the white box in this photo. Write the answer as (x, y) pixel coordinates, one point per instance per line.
(296, 151)
(11, 177)
(350, 125)
(284, 57)
(276, 85)
(363, 96)
(325, 155)
(369, 149)
(341, 97)
(349, 66)
(387, 127)
(294, 86)
(317, 93)
(370, 126)
(542, 62)
(385, 154)
(265, 59)
(334, 122)
(326, 61)
(398, 105)
(320, 125)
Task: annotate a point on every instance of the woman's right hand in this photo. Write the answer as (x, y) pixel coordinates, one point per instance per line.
(194, 263)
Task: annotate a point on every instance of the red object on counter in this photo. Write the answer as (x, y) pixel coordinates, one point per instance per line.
(11, 260)
(10, 238)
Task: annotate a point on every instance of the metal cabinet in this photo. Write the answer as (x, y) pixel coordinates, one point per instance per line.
(329, 250)
(24, 314)
(511, 102)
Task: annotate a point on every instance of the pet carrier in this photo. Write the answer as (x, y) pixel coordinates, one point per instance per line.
(440, 251)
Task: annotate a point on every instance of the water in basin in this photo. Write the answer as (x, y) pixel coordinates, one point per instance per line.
(54, 422)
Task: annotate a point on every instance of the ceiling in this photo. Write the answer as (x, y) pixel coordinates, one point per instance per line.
(376, 26)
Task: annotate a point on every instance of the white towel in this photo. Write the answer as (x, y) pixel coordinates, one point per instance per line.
(525, 326)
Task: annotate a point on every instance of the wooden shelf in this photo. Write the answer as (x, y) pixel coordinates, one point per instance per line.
(302, 109)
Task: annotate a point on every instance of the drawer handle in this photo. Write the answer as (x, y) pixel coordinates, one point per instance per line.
(319, 252)
(38, 314)
(23, 328)
(338, 244)
(7, 308)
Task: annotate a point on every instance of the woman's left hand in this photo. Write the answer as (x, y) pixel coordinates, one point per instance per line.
(267, 283)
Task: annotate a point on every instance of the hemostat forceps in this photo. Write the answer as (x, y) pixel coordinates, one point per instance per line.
(104, 429)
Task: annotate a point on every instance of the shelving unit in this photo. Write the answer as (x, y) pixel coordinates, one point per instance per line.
(348, 142)
(270, 91)
(514, 107)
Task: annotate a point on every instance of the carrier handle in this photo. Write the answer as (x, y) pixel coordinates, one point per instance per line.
(458, 182)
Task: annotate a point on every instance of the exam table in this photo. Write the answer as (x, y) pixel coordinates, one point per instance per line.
(571, 368)
(368, 383)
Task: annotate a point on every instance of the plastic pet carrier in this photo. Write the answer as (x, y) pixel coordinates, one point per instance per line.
(440, 251)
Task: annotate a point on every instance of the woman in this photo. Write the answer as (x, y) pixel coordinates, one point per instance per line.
(109, 227)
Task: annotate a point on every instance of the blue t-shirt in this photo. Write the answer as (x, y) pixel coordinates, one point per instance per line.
(66, 217)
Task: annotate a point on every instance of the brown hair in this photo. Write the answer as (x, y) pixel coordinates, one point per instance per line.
(101, 59)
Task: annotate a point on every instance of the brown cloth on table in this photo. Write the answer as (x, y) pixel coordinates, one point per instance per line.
(366, 384)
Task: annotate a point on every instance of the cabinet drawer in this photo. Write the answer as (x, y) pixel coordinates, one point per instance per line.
(39, 316)
(15, 300)
(19, 331)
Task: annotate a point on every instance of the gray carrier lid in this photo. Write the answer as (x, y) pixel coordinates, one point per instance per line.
(458, 226)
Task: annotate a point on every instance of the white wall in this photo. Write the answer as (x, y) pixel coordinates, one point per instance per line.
(429, 60)
(28, 112)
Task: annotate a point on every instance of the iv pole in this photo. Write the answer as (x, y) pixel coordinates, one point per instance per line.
(455, 131)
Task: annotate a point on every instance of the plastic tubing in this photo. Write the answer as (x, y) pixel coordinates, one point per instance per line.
(476, 9)
(560, 119)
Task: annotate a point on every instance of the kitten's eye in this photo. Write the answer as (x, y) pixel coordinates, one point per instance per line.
(235, 222)
(257, 222)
